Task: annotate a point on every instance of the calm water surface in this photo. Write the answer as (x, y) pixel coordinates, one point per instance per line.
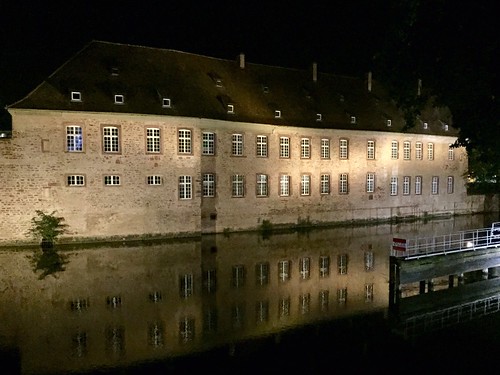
(310, 302)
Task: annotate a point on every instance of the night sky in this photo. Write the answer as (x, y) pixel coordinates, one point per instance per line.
(343, 37)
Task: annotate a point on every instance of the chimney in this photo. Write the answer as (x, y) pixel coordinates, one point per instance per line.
(419, 87)
(369, 81)
(315, 72)
(242, 60)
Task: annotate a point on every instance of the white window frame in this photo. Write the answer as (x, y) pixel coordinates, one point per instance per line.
(370, 150)
(261, 144)
(394, 150)
(343, 183)
(112, 180)
(154, 180)
(343, 149)
(394, 185)
(208, 143)
(119, 99)
(237, 145)
(406, 185)
(74, 138)
(166, 103)
(237, 186)
(324, 266)
(284, 185)
(418, 185)
(418, 151)
(450, 185)
(285, 147)
(75, 180)
(305, 148)
(111, 139)
(430, 151)
(370, 182)
(262, 185)
(184, 141)
(325, 148)
(283, 270)
(324, 184)
(305, 185)
(76, 96)
(153, 140)
(435, 185)
(208, 185)
(406, 150)
(451, 154)
(342, 262)
(305, 268)
(185, 187)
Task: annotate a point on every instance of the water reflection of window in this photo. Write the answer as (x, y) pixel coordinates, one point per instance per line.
(324, 266)
(79, 344)
(284, 307)
(342, 264)
(238, 276)
(114, 302)
(305, 268)
(156, 334)
(284, 270)
(262, 273)
(209, 281)
(323, 300)
(369, 293)
(210, 319)
(79, 304)
(238, 316)
(305, 303)
(262, 311)
(186, 285)
(342, 295)
(186, 330)
(115, 340)
(369, 260)
(155, 297)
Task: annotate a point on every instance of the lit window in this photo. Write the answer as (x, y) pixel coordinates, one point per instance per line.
(261, 146)
(406, 150)
(343, 149)
(325, 148)
(284, 270)
(74, 138)
(237, 149)
(305, 148)
(406, 185)
(324, 266)
(154, 180)
(76, 96)
(75, 180)
(305, 268)
(394, 150)
(111, 180)
(284, 185)
(111, 139)
(370, 150)
(418, 185)
(394, 186)
(185, 187)
(208, 185)
(430, 151)
(284, 147)
(418, 151)
(325, 184)
(184, 138)
(166, 103)
(119, 99)
(343, 183)
(153, 140)
(305, 184)
(262, 185)
(435, 185)
(238, 185)
(370, 182)
(208, 143)
(342, 264)
(450, 185)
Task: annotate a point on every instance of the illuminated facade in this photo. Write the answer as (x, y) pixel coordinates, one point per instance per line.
(126, 141)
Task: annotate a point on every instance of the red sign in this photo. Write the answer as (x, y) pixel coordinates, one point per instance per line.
(399, 244)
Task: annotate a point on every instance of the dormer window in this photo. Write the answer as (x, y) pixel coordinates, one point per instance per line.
(389, 123)
(353, 119)
(119, 99)
(445, 127)
(166, 103)
(230, 108)
(277, 113)
(426, 125)
(76, 96)
(319, 117)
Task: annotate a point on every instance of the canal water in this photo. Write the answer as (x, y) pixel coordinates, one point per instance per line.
(304, 301)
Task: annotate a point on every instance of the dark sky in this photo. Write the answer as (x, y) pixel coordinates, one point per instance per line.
(341, 36)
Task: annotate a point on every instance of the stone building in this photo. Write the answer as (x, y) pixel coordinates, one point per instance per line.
(129, 141)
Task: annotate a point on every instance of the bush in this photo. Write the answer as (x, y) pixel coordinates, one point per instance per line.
(47, 227)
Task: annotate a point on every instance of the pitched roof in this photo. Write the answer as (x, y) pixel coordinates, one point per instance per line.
(200, 86)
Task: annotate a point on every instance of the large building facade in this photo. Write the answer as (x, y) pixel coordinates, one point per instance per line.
(129, 142)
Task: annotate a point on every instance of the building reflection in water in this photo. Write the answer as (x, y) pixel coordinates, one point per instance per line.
(114, 306)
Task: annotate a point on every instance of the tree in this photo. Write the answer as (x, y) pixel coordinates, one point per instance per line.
(47, 228)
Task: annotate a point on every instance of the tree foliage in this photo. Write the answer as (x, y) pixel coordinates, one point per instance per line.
(47, 227)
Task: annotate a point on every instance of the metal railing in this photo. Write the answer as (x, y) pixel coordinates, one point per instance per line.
(468, 240)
